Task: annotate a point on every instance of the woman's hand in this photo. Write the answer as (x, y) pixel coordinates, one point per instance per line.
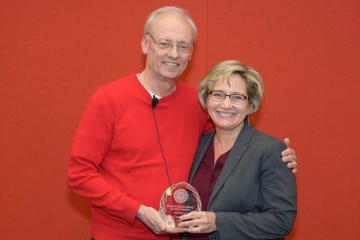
(198, 222)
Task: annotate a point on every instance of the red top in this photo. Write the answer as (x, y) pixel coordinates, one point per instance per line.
(116, 162)
(205, 179)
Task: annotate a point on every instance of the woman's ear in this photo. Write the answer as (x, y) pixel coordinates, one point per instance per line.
(250, 109)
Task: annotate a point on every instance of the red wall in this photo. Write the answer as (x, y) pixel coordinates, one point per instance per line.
(54, 54)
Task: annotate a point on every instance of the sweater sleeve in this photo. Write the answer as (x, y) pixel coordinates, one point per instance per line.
(209, 127)
(91, 144)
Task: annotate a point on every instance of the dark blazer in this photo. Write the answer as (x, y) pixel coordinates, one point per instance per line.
(255, 194)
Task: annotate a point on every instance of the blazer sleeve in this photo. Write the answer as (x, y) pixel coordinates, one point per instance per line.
(278, 196)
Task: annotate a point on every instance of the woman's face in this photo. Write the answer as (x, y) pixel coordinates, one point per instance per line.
(226, 115)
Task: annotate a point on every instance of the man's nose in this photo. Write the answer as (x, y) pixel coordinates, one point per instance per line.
(174, 51)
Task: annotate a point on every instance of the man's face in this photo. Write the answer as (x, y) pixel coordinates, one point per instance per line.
(171, 28)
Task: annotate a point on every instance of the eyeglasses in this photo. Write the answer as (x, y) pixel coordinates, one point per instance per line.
(182, 47)
(235, 98)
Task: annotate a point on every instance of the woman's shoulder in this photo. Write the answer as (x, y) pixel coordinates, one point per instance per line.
(264, 140)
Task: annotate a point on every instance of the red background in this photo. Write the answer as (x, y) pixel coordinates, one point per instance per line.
(54, 54)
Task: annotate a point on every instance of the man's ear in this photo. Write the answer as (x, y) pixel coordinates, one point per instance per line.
(144, 45)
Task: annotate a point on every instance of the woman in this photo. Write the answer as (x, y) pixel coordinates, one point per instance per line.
(247, 192)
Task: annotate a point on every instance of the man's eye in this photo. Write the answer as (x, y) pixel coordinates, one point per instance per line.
(164, 44)
(183, 47)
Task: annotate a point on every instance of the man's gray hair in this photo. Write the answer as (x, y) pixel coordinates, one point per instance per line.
(169, 9)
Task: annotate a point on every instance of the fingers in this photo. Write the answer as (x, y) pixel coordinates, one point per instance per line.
(288, 155)
(188, 221)
(290, 160)
(171, 226)
(174, 230)
(151, 218)
(287, 142)
(194, 230)
(288, 152)
(291, 164)
(190, 216)
(171, 221)
(159, 222)
(198, 222)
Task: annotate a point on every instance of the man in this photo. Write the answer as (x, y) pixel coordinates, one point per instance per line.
(139, 134)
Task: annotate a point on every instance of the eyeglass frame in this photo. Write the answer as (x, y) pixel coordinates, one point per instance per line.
(170, 46)
(228, 95)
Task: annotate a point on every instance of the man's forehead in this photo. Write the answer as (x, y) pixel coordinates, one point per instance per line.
(170, 25)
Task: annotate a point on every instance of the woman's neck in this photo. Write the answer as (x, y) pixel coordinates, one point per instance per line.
(223, 142)
(223, 138)
(226, 137)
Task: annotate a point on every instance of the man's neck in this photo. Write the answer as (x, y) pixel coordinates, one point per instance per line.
(160, 87)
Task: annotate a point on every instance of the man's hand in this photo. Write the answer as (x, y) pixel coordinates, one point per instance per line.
(289, 157)
(151, 218)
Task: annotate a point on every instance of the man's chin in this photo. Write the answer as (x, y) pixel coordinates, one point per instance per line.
(171, 75)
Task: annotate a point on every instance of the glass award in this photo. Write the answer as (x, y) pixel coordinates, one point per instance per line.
(179, 199)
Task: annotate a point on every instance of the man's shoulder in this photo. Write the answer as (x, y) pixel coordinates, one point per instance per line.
(121, 83)
(185, 86)
(116, 88)
(187, 91)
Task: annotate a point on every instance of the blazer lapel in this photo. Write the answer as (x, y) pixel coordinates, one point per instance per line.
(237, 151)
(203, 146)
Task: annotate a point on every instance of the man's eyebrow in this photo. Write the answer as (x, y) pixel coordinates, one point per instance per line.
(168, 40)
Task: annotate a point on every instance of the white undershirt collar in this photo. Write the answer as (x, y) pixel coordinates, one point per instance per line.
(151, 93)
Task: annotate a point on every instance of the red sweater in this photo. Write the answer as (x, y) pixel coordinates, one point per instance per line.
(116, 161)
